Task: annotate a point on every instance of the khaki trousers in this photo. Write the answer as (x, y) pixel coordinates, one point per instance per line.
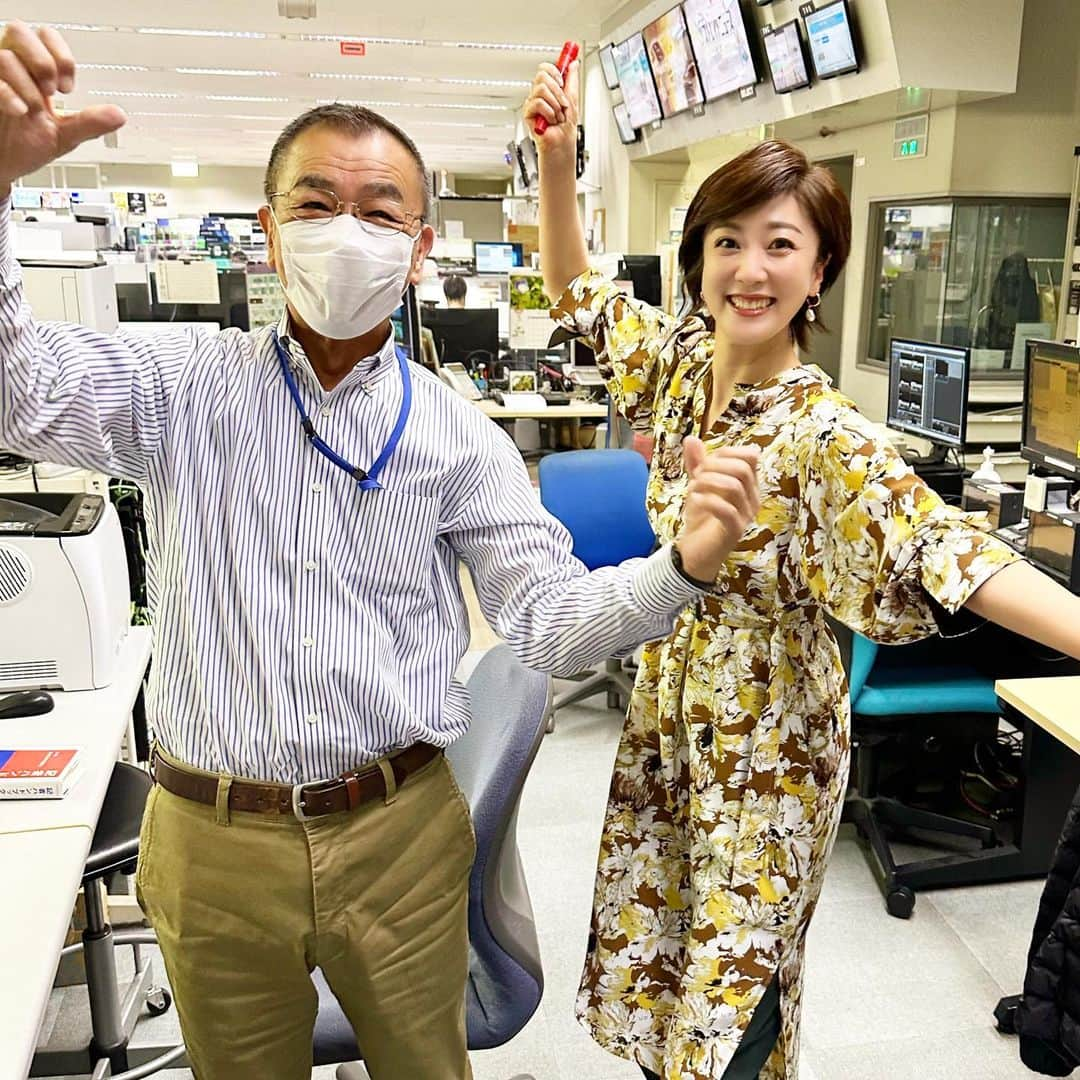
(245, 905)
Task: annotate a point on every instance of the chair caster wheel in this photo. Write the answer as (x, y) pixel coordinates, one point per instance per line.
(158, 1000)
(900, 902)
(1005, 1014)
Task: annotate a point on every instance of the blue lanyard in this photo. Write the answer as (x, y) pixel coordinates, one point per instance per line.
(368, 481)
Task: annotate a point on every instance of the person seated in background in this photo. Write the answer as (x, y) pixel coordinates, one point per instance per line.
(454, 288)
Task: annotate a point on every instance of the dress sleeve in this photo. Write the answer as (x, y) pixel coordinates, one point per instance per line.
(627, 335)
(879, 550)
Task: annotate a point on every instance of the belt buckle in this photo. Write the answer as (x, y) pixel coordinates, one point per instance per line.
(297, 798)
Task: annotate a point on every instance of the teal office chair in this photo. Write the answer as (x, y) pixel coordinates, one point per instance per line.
(896, 691)
(599, 495)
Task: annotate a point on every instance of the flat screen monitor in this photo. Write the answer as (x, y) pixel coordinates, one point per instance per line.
(667, 43)
(831, 40)
(468, 336)
(644, 272)
(627, 132)
(722, 45)
(607, 65)
(928, 390)
(1051, 431)
(406, 323)
(497, 258)
(787, 61)
(636, 80)
(22, 199)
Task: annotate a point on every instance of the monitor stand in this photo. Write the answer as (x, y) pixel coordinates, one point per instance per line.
(943, 475)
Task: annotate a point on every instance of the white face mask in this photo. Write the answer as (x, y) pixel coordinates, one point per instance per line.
(342, 280)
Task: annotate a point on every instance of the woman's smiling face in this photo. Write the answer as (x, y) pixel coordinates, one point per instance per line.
(758, 270)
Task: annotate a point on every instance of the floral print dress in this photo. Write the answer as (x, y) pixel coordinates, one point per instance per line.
(733, 763)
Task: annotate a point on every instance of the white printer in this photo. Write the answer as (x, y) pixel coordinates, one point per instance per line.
(65, 602)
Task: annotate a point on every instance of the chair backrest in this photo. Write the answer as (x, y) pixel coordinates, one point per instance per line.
(599, 495)
(863, 653)
(490, 761)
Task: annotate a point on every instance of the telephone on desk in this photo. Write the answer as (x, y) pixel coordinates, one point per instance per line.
(457, 378)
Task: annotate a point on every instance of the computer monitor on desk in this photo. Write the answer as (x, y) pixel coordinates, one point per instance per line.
(497, 258)
(1051, 430)
(1051, 433)
(644, 272)
(468, 336)
(928, 391)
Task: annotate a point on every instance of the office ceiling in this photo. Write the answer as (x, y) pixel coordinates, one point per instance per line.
(454, 75)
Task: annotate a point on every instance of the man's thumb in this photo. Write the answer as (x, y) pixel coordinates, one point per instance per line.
(693, 454)
(91, 123)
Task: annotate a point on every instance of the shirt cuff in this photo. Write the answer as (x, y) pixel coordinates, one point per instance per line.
(660, 588)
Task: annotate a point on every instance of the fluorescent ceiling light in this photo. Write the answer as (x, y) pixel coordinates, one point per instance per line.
(88, 28)
(485, 82)
(227, 71)
(361, 37)
(132, 93)
(373, 78)
(459, 124)
(112, 67)
(183, 32)
(185, 168)
(242, 97)
(551, 50)
(412, 104)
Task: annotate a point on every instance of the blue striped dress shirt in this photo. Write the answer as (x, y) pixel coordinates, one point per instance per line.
(301, 626)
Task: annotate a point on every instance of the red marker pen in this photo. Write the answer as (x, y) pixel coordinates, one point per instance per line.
(568, 55)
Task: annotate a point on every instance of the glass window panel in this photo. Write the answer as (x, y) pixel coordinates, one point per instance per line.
(979, 272)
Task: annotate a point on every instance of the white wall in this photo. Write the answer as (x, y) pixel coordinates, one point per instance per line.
(217, 187)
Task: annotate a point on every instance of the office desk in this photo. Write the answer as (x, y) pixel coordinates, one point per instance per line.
(44, 844)
(93, 720)
(1044, 710)
(585, 410)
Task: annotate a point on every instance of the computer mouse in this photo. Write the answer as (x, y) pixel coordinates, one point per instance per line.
(25, 703)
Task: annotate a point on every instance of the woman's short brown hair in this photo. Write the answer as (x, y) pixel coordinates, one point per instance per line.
(757, 176)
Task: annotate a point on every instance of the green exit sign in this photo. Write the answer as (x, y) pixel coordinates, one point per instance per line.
(910, 147)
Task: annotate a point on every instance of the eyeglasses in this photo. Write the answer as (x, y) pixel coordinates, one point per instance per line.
(379, 217)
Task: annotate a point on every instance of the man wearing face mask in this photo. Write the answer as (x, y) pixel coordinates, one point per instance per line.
(309, 498)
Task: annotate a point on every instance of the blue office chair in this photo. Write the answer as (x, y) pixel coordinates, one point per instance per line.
(491, 762)
(599, 495)
(893, 690)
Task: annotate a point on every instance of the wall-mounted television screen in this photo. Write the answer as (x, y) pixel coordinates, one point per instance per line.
(607, 65)
(787, 61)
(831, 40)
(667, 43)
(722, 45)
(627, 133)
(636, 80)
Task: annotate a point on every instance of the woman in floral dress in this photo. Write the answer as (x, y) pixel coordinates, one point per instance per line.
(733, 763)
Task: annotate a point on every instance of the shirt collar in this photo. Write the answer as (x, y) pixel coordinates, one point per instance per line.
(369, 370)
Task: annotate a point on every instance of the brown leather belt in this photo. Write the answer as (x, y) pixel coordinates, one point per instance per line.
(302, 800)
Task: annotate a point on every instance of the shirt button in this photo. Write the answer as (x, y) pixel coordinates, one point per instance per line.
(308, 642)
(310, 564)
(325, 410)
(312, 718)
(316, 487)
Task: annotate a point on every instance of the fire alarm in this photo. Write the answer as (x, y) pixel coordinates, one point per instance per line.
(296, 9)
